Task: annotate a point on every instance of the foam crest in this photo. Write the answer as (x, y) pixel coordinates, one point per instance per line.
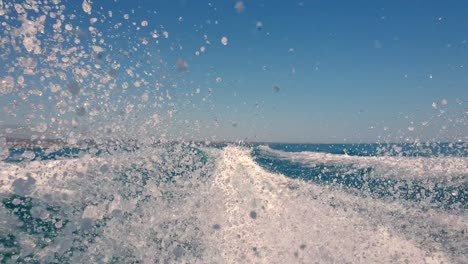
(268, 218)
(390, 166)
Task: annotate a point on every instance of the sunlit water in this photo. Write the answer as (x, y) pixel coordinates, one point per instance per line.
(107, 171)
(207, 204)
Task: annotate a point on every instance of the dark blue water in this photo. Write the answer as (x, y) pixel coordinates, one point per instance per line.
(382, 149)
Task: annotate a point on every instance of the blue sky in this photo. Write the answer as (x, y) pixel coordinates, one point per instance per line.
(348, 71)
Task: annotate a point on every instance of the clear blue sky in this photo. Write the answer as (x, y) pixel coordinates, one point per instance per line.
(354, 71)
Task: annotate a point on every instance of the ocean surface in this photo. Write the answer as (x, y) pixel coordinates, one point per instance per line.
(236, 203)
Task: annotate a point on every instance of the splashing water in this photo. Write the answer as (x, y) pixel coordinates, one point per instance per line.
(109, 173)
(185, 203)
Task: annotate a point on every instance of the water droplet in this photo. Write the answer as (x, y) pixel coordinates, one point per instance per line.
(86, 5)
(74, 87)
(239, 6)
(80, 111)
(41, 128)
(259, 26)
(182, 65)
(224, 41)
(7, 85)
(253, 215)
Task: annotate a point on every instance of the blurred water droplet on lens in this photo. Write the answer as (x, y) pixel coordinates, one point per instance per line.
(73, 87)
(239, 6)
(224, 41)
(182, 65)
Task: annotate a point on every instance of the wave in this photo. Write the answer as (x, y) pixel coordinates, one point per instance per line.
(388, 166)
(208, 206)
(377, 177)
(279, 219)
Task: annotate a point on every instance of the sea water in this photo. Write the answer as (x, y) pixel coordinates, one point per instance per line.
(111, 169)
(226, 203)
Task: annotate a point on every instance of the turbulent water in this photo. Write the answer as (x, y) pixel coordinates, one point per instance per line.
(188, 203)
(110, 92)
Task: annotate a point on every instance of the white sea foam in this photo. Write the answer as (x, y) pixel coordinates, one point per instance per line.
(228, 211)
(290, 215)
(389, 166)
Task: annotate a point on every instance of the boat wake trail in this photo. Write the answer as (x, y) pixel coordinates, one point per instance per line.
(181, 203)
